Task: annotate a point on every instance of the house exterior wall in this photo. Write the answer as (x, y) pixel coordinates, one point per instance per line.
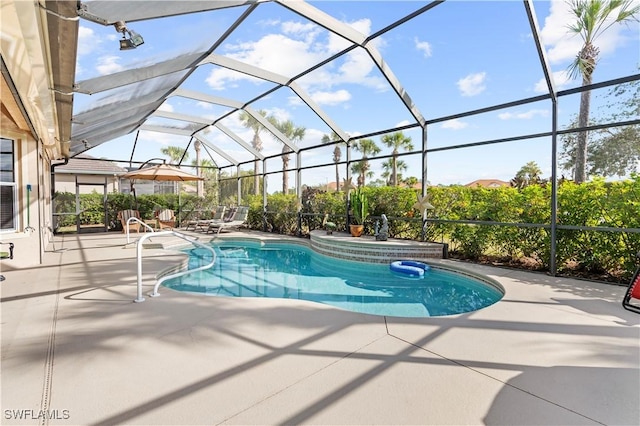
(29, 119)
(67, 183)
(29, 207)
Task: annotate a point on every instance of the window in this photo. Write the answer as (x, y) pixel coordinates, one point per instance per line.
(8, 220)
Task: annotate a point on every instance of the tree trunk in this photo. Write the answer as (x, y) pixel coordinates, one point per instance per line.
(200, 184)
(580, 172)
(285, 173)
(336, 158)
(256, 165)
(394, 171)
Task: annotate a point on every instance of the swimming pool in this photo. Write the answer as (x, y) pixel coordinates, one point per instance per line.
(294, 271)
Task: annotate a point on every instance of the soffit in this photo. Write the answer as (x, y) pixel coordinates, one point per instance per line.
(12, 116)
(63, 44)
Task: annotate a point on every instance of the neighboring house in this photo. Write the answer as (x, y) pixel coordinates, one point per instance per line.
(488, 183)
(417, 185)
(88, 174)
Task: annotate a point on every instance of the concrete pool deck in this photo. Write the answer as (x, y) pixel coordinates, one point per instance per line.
(76, 350)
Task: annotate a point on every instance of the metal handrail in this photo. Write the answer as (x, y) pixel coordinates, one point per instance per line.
(192, 240)
(135, 219)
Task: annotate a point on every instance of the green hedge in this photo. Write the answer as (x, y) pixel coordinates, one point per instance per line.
(92, 208)
(593, 204)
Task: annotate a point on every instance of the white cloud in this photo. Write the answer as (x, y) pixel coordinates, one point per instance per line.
(331, 98)
(337, 43)
(204, 105)
(166, 106)
(299, 28)
(223, 78)
(403, 123)
(356, 69)
(163, 139)
(473, 84)
(108, 64)
(87, 41)
(563, 46)
(454, 124)
(423, 46)
(524, 115)
(561, 79)
(294, 101)
(80, 70)
(274, 52)
(279, 113)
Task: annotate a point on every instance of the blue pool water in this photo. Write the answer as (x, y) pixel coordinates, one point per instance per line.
(291, 271)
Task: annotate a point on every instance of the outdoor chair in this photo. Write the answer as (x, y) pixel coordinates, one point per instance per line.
(6, 255)
(124, 215)
(192, 222)
(633, 292)
(238, 219)
(165, 218)
(218, 214)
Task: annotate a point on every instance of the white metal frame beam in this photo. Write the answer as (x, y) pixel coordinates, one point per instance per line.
(109, 12)
(219, 151)
(124, 78)
(181, 117)
(224, 129)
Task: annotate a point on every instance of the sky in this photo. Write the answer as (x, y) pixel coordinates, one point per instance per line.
(459, 56)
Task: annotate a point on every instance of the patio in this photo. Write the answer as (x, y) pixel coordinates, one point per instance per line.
(77, 350)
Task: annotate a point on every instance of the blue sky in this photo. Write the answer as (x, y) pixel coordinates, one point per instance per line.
(459, 56)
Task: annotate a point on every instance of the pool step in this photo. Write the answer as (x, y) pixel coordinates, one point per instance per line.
(367, 249)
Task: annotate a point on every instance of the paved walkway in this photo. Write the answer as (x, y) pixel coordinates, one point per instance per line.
(76, 350)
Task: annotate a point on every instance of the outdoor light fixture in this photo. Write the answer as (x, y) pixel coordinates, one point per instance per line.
(134, 39)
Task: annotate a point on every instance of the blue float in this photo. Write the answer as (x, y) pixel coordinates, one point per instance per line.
(410, 268)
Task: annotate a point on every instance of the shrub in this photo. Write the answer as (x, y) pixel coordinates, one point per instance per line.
(597, 204)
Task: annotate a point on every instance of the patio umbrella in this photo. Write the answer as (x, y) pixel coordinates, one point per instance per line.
(161, 172)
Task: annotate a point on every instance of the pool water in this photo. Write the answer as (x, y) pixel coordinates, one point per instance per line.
(292, 271)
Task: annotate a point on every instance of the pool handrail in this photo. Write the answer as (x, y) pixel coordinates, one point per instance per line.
(135, 219)
(192, 240)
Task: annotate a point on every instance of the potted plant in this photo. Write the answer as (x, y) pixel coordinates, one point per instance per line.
(359, 212)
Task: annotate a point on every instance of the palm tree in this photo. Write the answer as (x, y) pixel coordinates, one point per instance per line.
(529, 174)
(174, 153)
(209, 171)
(361, 169)
(592, 19)
(396, 141)
(200, 184)
(388, 167)
(337, 153)
(411, 181)
(250, 122)
(366, 147)
(294, 134)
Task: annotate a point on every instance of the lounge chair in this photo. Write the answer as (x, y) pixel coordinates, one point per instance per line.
(124, 215)
(633, 292)
(199, 217)
(165, 219)
(238, 219)
(219, 214)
